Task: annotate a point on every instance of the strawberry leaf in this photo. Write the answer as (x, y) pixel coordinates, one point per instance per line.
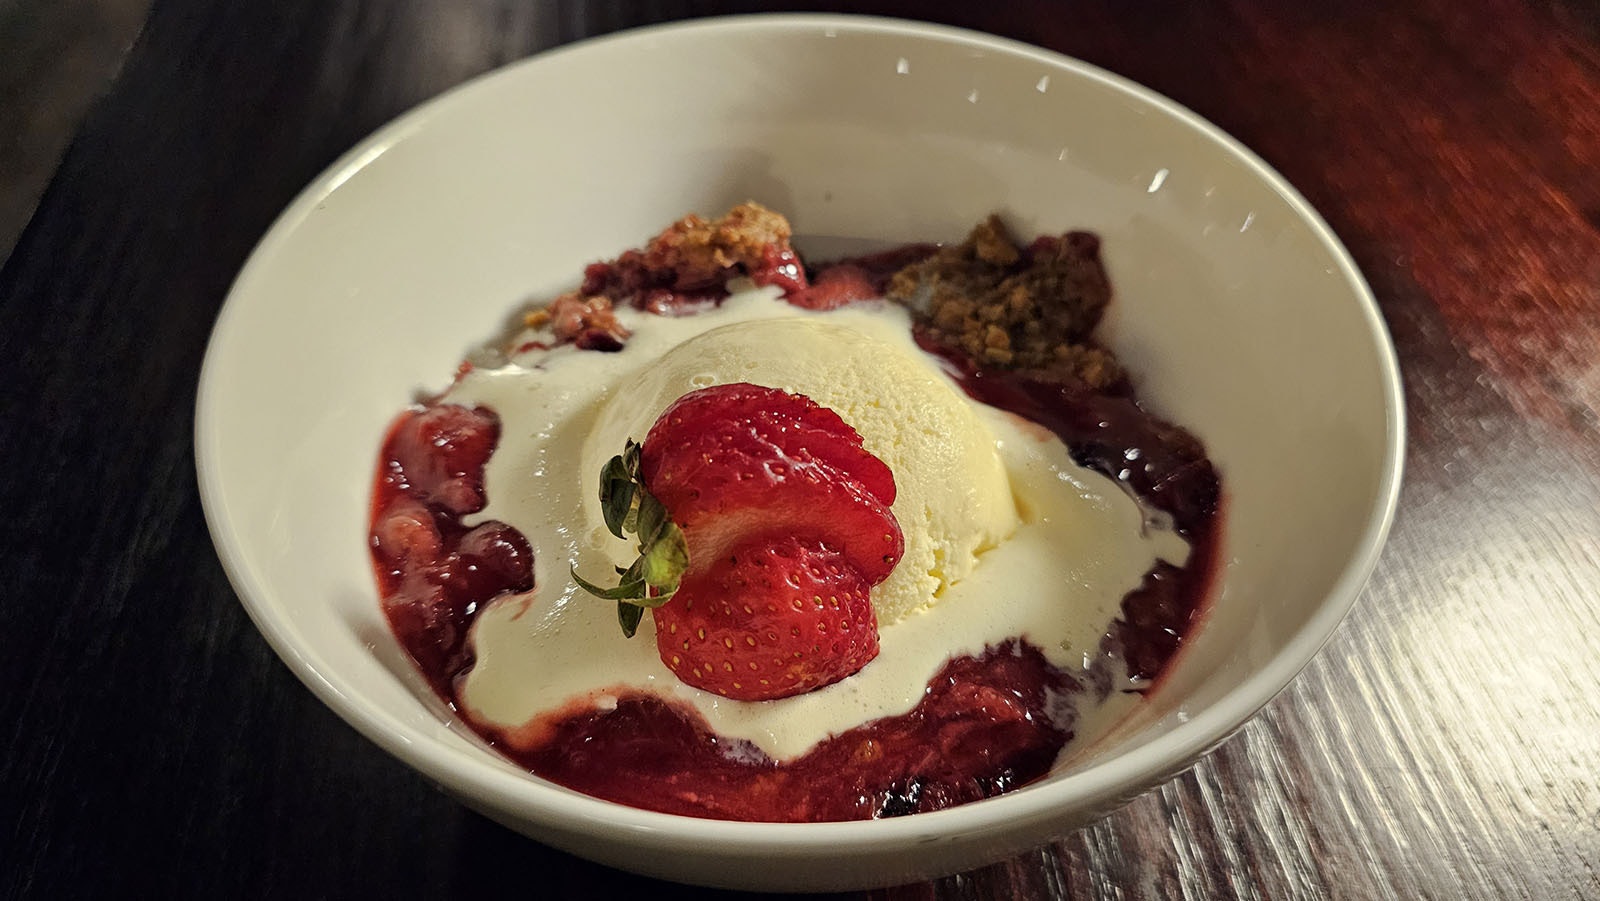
(628, 616)
(652, 516)
(665, 559)
(629, 508)
(617, 488)
(627, 590)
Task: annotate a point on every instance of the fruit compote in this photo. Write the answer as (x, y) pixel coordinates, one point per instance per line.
(986, 723)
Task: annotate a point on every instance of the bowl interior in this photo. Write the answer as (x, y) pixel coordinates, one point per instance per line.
(1237, 310)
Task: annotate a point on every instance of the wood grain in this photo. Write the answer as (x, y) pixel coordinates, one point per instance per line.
(1445, 744)
(56, 57)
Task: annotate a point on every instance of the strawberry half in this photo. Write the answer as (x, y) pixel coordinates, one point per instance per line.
(776, 618)
(765, 522)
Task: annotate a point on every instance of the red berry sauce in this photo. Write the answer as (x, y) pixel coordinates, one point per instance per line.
(435, 574)
(985, 725)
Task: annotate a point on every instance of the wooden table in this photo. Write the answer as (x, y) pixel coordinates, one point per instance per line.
(1446, 744)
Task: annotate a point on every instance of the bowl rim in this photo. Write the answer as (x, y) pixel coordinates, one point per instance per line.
(547, 804)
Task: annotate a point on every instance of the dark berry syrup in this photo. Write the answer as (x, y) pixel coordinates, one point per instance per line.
(985, 725)
(434, 573)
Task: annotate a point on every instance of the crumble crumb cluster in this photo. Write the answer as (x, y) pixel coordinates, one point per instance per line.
(1032, 309)
(692, 260)
(587, 321)
(703, 253)
(1013, 308)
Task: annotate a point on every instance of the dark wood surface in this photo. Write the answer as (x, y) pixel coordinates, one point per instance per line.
(1445, 745)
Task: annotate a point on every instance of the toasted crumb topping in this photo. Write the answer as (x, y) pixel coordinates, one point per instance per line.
(1014, 308)
(690, 262)
(702, 251)
(1003, 305)
(590, 322)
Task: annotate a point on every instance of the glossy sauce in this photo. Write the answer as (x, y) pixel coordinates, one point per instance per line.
(985, 725)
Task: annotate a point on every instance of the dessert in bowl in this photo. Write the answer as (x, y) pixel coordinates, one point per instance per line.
(923, 448)
(1235, 309)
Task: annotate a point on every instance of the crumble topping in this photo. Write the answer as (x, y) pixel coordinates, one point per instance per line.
(587, 321)
(1013, 308)
(690, 262)
(1005, 306)
(702, 253)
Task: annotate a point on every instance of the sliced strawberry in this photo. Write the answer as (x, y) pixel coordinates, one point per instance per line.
(728, 483)
(755, 403)
(763, 524)
(776, 618)
(800, 428)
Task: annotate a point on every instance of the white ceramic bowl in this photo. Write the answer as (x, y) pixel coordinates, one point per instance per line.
(1237, 308)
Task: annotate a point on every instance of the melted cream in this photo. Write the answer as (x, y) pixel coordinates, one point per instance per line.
(1057, 581)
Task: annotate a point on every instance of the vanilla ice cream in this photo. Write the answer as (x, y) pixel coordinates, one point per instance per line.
(953, 499)
(968, 476)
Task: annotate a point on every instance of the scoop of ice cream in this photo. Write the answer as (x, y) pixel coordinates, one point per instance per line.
(953, 500)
